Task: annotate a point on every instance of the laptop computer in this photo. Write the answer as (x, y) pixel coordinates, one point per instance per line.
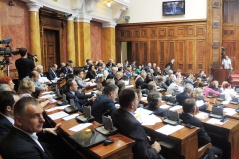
(172, 101)
(107, 128)
(72, 108)
(216, 113)
(221, 97)
(86, 116)
(210, 95)
(88, 139)
(234, 100)
(63, 101)
(172, 118)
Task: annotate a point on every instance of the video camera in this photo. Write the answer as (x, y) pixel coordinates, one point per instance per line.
(32, 57)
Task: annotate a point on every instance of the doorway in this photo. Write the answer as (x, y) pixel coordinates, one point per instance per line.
(51, 48)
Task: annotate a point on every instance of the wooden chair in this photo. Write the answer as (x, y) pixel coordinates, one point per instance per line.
(203, 149)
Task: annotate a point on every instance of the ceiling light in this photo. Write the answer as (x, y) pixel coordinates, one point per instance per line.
(108, 3)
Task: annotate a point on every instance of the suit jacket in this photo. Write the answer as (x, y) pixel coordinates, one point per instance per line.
(51, 75)
(181, 97)
(129, 126)
(163, 85)
(80, 101)
(5, 126)
(140, 82)
(203, 137)
(18, 145)
(101, 105)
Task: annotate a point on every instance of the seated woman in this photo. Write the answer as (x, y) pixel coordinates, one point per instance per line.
(26, 88)
(154, 100)
(7, 80)
(210, 89)
(223, 85)
(229, 92)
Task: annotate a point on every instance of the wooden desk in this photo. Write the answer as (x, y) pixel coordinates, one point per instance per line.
(121, 148)
(184, 140)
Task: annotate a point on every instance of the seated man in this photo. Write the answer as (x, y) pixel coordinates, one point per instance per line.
(105, 102)
(174, 87)
(51, 74)
(21, 141)
(189, 110)
(79, 75)
(42, 78)
(154, 99)
(139, 81)
(128, 125)
(7, 100)
(187, 93)
(79, 99)
(34, 76)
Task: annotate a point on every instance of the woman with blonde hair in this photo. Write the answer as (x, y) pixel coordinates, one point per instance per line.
(26, 88)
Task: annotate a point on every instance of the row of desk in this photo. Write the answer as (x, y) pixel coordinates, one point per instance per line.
(225, 136)
(184, 141)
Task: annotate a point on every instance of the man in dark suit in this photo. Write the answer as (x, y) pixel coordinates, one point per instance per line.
(21, 141)
(188, 90)
(105, 102)
(139, 81)
(7, 100)
(170, 63)
(189, 110)
(51, 74)
(79, 99)
(128, 125)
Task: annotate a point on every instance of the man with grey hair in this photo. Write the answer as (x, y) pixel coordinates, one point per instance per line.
(188, 90)
(42, 78)
(152, 86)
(174, 87)
(155, 100)
(139, 81)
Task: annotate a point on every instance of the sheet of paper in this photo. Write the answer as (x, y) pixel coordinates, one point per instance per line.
(150, 120)
(169, 129)
(58, 115)
(47, 92)
(80, 127)
(202, 115)
(129, 86)
(226, 102)
(57, 108)
(199, 103)
(229, 111)
(165, 106)
(143, 98)
(48, 96)
(70, 117)
(215, 121)
(176, 107)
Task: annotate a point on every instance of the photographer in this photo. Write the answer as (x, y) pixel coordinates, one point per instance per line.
(24, 65)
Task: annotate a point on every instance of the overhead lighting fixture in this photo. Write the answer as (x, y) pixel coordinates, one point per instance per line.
(108, 3)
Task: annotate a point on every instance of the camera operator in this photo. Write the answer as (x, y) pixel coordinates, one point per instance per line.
(24, 65)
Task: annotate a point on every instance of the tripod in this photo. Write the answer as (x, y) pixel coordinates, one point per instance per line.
(6, 62)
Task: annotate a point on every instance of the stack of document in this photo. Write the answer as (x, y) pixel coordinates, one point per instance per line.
(169, 129)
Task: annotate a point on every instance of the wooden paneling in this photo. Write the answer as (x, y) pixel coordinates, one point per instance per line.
(185, 42)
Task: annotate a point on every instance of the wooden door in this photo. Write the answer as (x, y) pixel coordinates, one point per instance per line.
(51, 54)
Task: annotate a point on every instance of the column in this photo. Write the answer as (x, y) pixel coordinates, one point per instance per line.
(70, 38)
(34, 29)
(82, 34)
(109, 41)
